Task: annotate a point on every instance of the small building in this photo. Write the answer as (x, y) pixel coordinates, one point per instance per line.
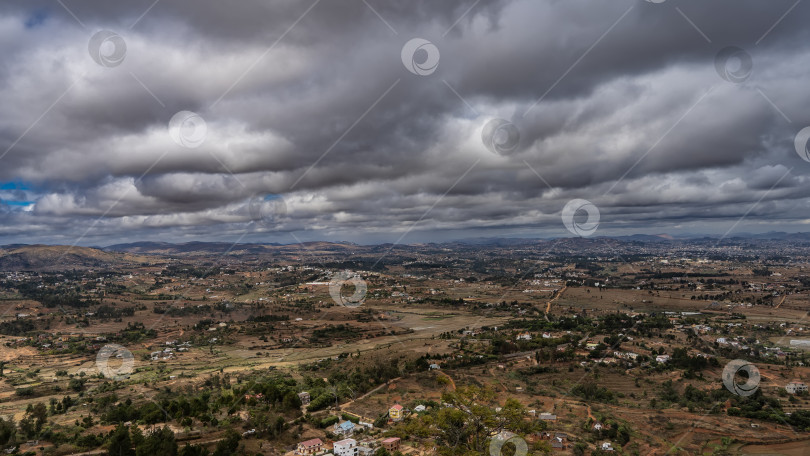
(391, 444)
(364, 451)
(346, 447)
(305, 399)
(796, 387)
(548, 417)
(344, 428)
(662, 358)
(309, 447)
(607, 446)
(395, 412)
(419, 408)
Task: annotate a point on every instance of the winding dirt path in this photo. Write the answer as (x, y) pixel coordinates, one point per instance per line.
(554, 298)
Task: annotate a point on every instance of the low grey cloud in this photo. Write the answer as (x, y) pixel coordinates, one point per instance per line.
(619, 103)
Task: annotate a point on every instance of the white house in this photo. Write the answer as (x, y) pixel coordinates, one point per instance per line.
(607, 446)
(346, 447)
(796, 387)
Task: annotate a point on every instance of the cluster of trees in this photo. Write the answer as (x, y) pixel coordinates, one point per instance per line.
(611, 430)
(757, 406)
(17, 327)
(349, 384)
(680, 359)
(123, 441)
(58, 296)
(107, 311)
(332, 332)
(592, 392)
(467, 425)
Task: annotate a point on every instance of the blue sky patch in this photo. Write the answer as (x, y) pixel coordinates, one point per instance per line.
(36, 19)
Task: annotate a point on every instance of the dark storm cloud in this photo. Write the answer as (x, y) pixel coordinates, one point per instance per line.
(616, 102)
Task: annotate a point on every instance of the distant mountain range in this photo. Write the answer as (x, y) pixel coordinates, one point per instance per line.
(772, 235)
(59, 257)
(18, 257)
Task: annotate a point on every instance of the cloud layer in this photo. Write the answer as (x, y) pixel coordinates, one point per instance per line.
(310, 125)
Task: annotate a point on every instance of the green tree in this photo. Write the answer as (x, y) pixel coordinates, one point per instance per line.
(229, 444)
(7, 431)
(119, 443)
(137, 436)
(34, 420)
(193, 450)
(160, 442)
(466, 425)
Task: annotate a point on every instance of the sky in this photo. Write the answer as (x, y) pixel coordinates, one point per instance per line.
(401, 121)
